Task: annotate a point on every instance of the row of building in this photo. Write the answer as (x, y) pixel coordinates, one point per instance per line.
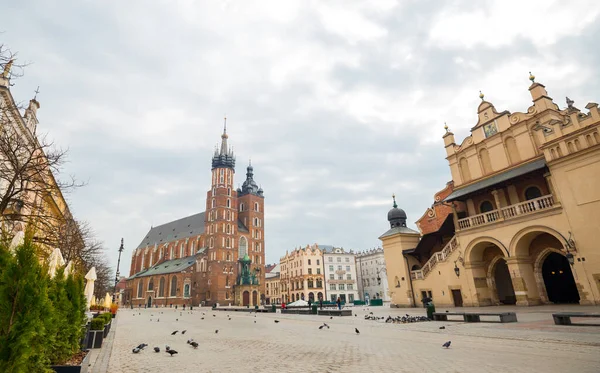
(323, 272)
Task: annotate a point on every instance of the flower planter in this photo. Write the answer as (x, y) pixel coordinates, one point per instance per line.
(107, 329)
(95, 338)
(113, 315)
(82, 368)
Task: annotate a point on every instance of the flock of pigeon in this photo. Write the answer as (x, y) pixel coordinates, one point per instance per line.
(394, 320)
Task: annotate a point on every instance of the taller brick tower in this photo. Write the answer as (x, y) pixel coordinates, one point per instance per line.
(221, 226)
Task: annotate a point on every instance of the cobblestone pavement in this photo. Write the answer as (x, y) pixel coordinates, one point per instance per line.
(295, 344)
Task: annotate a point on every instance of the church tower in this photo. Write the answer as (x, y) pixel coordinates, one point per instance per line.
(221, 226)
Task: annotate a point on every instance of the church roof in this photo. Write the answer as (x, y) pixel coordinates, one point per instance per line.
(189, 226)
(170, 266)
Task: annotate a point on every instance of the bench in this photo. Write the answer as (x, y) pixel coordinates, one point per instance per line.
(564, 318)
(334, 312)
(475, 316)
(296, 311)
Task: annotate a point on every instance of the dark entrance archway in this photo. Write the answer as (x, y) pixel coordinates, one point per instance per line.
(311, 297)
(246, 298)
(504, 286)
(149, 303)
(559, 281)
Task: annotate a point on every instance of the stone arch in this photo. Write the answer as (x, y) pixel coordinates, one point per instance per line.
(537, 271)
(519, 245)
(506, 290)
(472, 252)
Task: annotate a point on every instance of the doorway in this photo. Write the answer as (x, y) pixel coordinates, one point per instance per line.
(246, 298)
(504, 286)
(457, 297)
(254, 298)
(149, 303)
(559, 280)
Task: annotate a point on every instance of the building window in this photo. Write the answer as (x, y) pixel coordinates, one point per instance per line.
(319, 283)
(342, 287)
(347, 260)
(532, 193)
(331, 286)
(256, 206)
(486, 206)
(347, 268)
(186, 290)
(140, 289)
(161, 287)
(339, 259)
(243, 247)
(310, 271)
(229, 191)
(348, 276)
(318, 271)
(213, 203)
(151, 285)
(330, 259)
(318, 262)
(330, 268)
(310, 284)
(308, 261)
(340, 277)
(339, 268)
(332, 276)
(228, 202)
(334, 298)
(174, 286)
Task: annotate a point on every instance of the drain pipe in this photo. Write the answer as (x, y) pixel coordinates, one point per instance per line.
(412, 291)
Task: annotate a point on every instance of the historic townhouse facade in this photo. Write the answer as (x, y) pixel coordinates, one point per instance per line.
(212, 257)
(302, 274)
(273, 284)
(372, 276)
(517, 224)
(340, 275)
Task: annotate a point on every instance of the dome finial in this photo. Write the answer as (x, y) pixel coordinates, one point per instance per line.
(481, 95)
(446, 127)
(531, 77)
(394, 197)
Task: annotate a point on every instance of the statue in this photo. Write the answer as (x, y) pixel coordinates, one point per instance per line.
(7, 67)
(570, 103)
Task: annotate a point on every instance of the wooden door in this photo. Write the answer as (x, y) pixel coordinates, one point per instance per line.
(457, 296)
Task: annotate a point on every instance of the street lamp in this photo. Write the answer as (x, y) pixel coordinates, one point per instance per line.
(570, 244)
(456, 270)
(379, 278)
(117, 273)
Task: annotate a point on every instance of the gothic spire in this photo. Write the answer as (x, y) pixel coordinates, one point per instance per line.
(224, 158)
(224, 138)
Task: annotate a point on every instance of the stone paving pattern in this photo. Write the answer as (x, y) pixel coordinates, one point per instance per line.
(534, 344)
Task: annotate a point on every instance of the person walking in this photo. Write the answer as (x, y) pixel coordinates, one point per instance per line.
(339, 303)
(321, 303)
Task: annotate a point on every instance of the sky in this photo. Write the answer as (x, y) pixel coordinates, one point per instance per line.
(339, 104)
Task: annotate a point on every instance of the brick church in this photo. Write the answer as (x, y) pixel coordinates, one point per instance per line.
(213, 257)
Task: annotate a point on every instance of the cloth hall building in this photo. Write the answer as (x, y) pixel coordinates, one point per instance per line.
(212, 257)
(518, 222)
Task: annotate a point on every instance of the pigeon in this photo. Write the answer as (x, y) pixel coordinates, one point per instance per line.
(276, 321)
(214, 315)
(194, 344)
(183, 332)
(202, 318)
(447, 344)
(217, 331)
(325, 326)
(230, 319)
(321, 327)
(446, 310)
(203, 313)
(356, 330)
(172, 352)
(167, 348)
(442, 327)
(135, 350)
(255, 321)
(331, 318)
(354, 315)
(142, 346)
(157, 320)
(175, 332)
(176, 319)
(156, 349)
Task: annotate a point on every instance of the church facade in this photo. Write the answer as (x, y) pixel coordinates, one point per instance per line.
(213, 257)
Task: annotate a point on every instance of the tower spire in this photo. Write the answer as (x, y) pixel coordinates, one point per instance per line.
(394, 197)
(224, 138)
(223, 157)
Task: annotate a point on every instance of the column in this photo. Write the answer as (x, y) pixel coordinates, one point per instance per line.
(479, 292)
(548, 177)
(524, 282)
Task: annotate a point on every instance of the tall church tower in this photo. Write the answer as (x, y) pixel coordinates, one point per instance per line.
(221, 226)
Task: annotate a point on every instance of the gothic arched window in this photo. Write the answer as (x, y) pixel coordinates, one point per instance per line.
(243, 250)
(174, 286)
(161, 287)
(140, 289)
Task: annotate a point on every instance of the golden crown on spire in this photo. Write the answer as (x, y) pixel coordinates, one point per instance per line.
(481, 95)
(531, 77)
(445, 126)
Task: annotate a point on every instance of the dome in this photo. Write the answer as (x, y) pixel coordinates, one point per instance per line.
(396, 213)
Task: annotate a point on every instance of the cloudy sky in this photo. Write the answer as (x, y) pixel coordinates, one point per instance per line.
(339, 104)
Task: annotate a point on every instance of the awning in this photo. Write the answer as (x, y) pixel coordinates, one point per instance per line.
(497, 179)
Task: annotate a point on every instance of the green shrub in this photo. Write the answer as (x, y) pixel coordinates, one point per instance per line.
(107, 317)
(97, 324)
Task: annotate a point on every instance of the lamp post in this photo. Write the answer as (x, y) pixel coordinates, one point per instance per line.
(379, 270)
(121, 248)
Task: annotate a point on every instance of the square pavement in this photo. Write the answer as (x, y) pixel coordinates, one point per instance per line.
(295, 344)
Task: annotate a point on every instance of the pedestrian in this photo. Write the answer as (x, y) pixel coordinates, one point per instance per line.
(339, 303)
(321, 303)
(309, 302)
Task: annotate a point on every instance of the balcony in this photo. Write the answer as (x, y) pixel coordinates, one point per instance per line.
(508, 213)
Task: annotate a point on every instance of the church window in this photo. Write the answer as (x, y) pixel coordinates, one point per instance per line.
(221, 176)
(214, 192)
(181, 248)
(228, 215)
(186, 290)
(241, 207)
(213, 203)
(228, 259)
(228, 202)
(243, 248)
(140, 289)
(192, 251)
(161, 287)
(229, 191)
(228, 228)
(227, 242)
(174, 286)
(227, 281)
(256, 206)
(151, 285)
(212, 242)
